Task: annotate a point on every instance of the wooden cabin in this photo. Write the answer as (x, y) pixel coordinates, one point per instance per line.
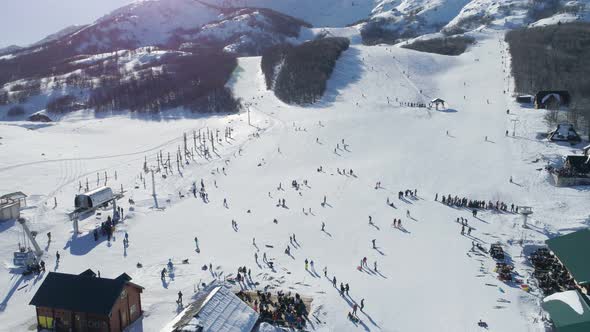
(86, 303)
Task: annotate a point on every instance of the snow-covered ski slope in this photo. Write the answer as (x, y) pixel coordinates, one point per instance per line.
(428, 278)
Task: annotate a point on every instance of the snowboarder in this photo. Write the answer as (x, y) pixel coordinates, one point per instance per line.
(170, 265)
(362, 304)
(342, 289)
(334, 281)
(346, 288)
(463, 230)
(436, 197)
(323, 226)
(374, 247)
(408, 213)
(163, 274)
(375, 266)
(354, 306)
(48, 237)
(325, 271)
(306, 263)
(57, 256)
(179, 301)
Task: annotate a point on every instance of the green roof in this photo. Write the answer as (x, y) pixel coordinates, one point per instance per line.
(573, 250)
(569, 311)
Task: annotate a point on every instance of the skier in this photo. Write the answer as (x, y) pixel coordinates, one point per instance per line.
(375, 266)
(463, 230)
(342, 289)
(179, 301)
(170, 265)
(163, 274)
(325, 271)
(346, 288)
(362, 304)
(334, 281)
(354, 306)
(57, 256)
(49, 237)
(323, 226)
(374, 247)
(408, 213)
(196, 243)
(436, 197)
(306, 263)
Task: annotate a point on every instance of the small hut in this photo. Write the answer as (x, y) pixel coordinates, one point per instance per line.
(565, 132)
(436, 102)
(552, 99)
(525, 99)
(10, 205)
(85, 302)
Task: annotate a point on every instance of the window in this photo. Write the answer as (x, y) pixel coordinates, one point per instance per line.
(133, 310)
(46, 322)
(123, 294)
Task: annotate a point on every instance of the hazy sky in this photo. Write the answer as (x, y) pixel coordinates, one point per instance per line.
(24, 22)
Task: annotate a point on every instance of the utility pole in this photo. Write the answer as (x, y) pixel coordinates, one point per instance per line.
(154, 189)
(514, 121)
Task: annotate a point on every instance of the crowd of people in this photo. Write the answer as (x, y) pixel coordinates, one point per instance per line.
(465, 202)
(283, 309)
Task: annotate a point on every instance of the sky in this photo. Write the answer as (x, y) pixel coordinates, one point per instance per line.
(23, 22)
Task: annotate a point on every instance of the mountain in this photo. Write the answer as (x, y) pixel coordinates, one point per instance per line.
(394, 20)
(88, 60)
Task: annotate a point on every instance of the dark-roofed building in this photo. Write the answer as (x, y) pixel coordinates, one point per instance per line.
(86, 303)
(573, 251)
(565, 132)
(552, 99)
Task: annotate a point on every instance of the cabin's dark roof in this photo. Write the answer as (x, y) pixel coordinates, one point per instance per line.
(563, 95)
(81, 293)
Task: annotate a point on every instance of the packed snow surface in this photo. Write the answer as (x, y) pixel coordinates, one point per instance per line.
(427, 279)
